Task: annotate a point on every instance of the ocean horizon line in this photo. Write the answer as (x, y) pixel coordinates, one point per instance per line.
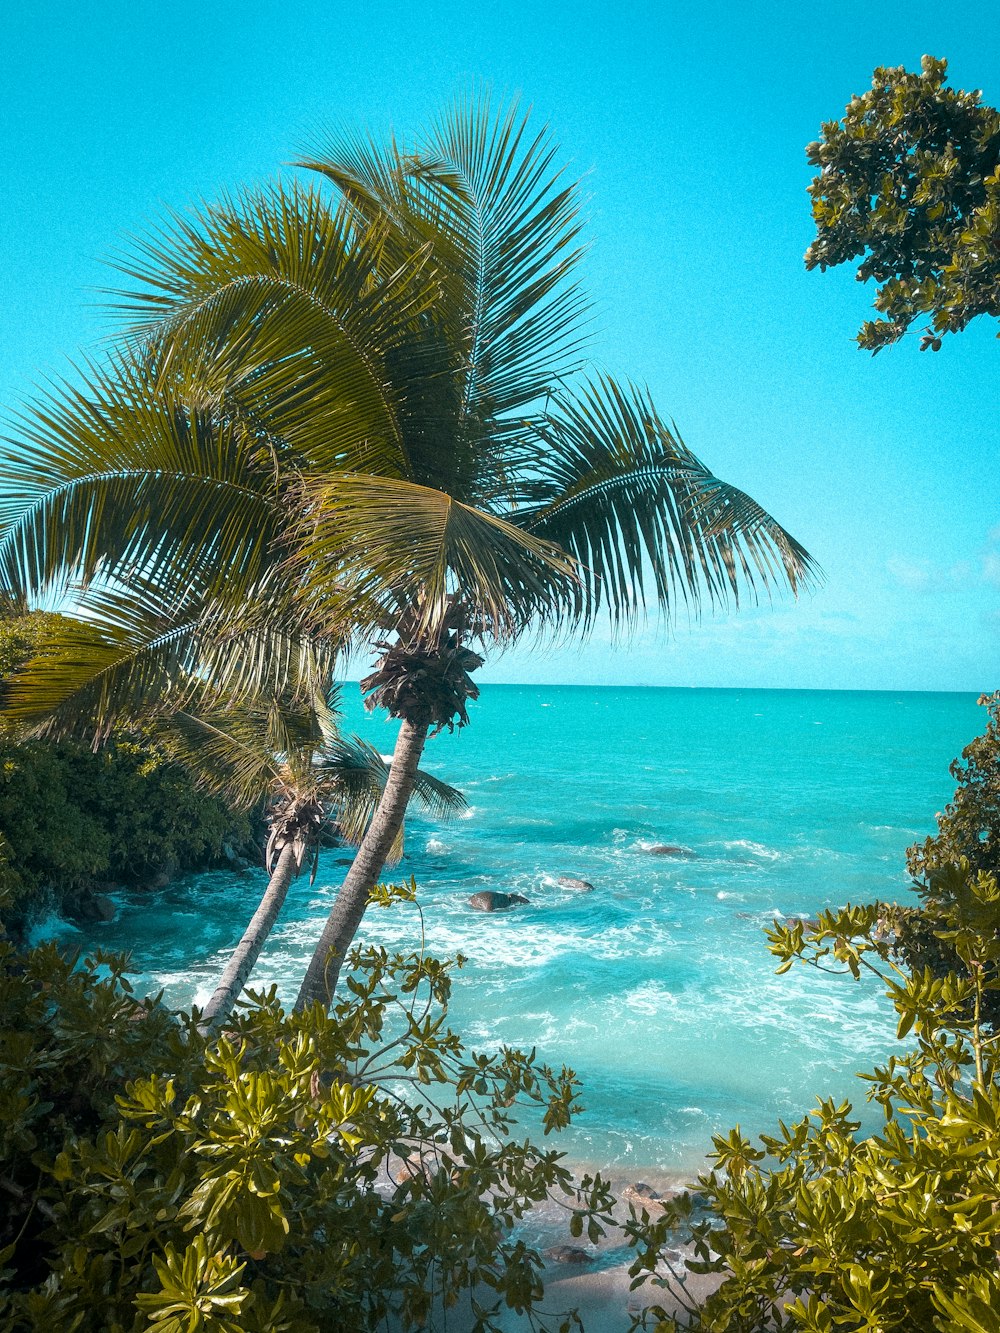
(706, 689)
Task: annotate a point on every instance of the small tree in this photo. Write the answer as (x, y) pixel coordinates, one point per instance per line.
(909, 184)
(274, 747)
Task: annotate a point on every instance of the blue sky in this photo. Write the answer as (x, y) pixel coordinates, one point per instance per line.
(687, 122)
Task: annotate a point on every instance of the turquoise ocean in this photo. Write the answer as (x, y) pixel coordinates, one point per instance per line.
(657, 987)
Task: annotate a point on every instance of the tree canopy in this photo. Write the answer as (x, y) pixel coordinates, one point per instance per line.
(909, 184)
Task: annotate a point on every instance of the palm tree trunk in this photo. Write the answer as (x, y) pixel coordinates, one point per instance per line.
(246, 953)
(321, 976)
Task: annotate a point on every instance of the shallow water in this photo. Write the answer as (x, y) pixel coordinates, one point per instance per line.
(657, 987)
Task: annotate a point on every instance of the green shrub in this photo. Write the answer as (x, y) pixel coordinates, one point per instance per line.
(73, 818)
(819, 1230)
(284, 1177)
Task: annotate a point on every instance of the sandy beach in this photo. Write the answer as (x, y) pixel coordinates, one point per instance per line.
(592, 1279)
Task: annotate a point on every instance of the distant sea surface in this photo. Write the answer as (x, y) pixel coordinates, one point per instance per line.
(657, 987)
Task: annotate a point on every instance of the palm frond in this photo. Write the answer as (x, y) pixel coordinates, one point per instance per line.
(265, 748)
(357, 773)
(125, 658)
(287, 308)
(616, 487)
(481, 189)
(396, 546)
(117, 476)
(517, 222)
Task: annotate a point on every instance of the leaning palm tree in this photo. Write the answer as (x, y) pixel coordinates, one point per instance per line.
(368, 410)
(311, 780)
(271, 746)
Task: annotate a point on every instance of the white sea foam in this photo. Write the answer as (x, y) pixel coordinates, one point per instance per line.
(435, 846)
(51, 927)
(754, 848)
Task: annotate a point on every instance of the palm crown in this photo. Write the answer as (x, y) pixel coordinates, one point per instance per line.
(364, 420)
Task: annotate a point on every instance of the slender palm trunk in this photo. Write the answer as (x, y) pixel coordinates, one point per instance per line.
(321, 977)
(240, 965)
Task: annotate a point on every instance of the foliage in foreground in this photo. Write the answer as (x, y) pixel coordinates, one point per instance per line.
(279, 1179)
(909, 185)
(894, 1232)
(820, 1230)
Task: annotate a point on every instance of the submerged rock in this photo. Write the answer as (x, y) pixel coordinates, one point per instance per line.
(668, 849)
(488, 901)
(571, 882)
(567, 1254)
(103, 908)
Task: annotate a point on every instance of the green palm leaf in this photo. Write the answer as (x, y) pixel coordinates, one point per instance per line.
(119, 476)
(128, 656)
(286, 309)
(390, 545)
(357, 773)
(611, 483)
(483, 192)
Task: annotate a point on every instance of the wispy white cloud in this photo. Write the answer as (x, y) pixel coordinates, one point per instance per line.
(922, 575)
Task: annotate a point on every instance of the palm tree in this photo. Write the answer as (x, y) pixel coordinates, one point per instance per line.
(128, 662)
(310, 778)
(369, 418)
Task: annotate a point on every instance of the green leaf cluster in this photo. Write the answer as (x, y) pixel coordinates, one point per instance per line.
(909, 185)
(968, 831)
(74, 820)
(299, 1173)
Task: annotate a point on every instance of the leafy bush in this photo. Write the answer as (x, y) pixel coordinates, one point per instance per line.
(22, 636)
(970, 824)
(968, 830)
(73, 818)
(283, 1178)
(820, 1231)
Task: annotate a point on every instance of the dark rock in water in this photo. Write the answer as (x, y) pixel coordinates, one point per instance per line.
(571, 882)
(488, 901)
(414, 1165)
(102, 909)
(568, 1254)
(668, 849)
